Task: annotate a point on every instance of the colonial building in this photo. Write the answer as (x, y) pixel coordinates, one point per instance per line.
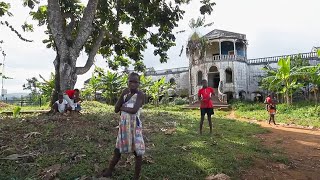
(226, 67)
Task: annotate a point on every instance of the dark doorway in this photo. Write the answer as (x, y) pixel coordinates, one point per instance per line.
(213, 77)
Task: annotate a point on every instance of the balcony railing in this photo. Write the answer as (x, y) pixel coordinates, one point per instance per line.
(311, 55)
(167, 71)
(225, 58)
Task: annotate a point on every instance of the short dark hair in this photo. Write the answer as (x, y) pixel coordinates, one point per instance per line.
(134, 74)
(60, 95)
(203, 80)
(76, 90)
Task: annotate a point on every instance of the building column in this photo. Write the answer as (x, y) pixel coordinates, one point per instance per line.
(245, 51)
(234, 47)
(220, 48)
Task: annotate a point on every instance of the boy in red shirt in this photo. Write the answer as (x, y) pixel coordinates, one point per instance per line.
(205, 95)
(70, 96)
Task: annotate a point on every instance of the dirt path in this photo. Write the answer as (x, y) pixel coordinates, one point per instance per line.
(301, 146)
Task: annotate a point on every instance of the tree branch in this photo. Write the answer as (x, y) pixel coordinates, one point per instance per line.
(86, 26)
(70, 26)
(6, 23)
(56, 27)
(92, 54)
(43, 78)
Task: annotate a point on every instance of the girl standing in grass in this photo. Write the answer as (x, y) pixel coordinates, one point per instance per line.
(129, 139)
(272, 112)
(271, 108)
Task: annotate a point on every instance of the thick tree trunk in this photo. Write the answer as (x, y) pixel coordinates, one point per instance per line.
(65, 77)
(67, 53)
(68, 76)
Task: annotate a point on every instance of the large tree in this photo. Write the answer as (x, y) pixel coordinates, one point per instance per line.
(97, 29)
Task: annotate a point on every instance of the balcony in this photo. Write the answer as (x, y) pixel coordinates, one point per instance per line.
(167, 71)
(225, 58)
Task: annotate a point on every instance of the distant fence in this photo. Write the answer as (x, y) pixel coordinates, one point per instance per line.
(23, 101)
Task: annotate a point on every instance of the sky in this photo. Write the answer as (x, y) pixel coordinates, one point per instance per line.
(273, 27)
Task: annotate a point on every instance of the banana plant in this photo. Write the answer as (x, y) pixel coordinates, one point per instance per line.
(112, 86)
(284, 79)
(157, 89)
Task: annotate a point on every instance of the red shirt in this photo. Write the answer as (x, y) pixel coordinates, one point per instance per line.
(269, 100)
(70, 93)
(206, 94)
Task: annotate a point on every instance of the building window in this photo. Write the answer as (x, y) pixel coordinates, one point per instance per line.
(199, 77)
(229, 75)
(172, 81)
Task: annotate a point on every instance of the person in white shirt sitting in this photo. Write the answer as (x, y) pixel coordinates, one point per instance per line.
(61, 105)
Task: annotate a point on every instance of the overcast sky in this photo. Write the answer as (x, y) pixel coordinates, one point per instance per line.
(273, 27)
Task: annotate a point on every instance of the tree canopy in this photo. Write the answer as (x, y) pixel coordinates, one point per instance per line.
(97, 27)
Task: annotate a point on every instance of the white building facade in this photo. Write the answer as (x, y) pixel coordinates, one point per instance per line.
(226, 67)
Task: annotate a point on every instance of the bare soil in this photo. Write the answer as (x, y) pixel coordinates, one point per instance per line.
(300, 146)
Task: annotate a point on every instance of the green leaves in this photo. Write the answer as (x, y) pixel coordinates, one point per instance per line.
(27, 27)
(42, 88)
(108, 83)
(40, 15)
(284, 68)
(112, 85)
(196, 23)
(206, 8)
(289, 77)
(30, 3)
(139, 15)
(155, 89)
(4, 9)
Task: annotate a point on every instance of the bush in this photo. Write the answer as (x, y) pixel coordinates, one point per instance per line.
(16, 111)
(181, 101)
(184, 93)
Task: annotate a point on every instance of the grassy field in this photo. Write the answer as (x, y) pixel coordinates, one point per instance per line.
(8, 107)
(70, 147)
(303, 113)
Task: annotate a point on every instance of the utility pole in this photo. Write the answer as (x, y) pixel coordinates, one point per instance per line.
(2, 76)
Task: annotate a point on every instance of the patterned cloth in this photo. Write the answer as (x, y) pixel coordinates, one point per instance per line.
(130, 137)
(272, 109)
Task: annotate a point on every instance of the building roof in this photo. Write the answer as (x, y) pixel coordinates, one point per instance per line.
(217, 34)
(315, 49)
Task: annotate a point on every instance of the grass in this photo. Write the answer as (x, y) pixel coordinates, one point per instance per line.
(9, 107)
(84, 144)
(303, 113)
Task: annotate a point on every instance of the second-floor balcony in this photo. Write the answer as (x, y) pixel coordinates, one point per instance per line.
(225, 58)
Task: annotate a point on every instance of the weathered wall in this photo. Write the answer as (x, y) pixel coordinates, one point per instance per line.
(240, 74)
(181, 80)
